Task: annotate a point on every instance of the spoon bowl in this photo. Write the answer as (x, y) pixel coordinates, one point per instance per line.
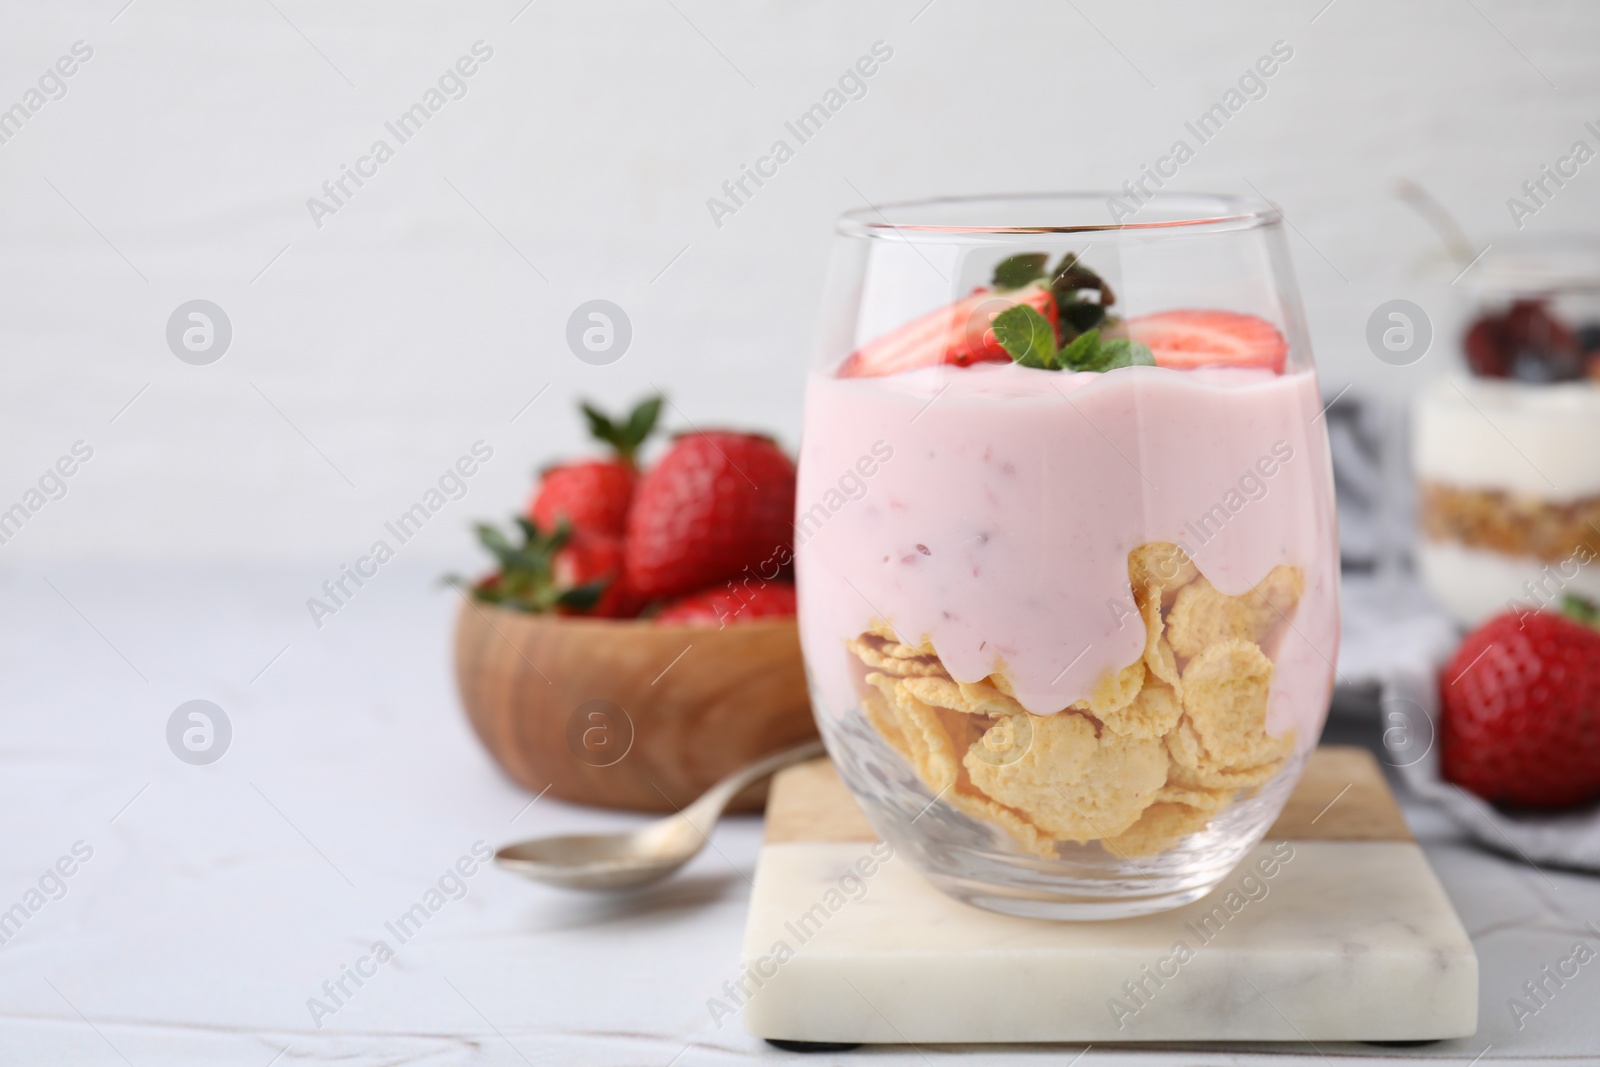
(649, 854)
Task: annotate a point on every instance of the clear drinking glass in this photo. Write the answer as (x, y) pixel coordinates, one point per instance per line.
(1065, 549)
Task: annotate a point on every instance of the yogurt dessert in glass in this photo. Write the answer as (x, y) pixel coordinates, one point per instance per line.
(1065, 547)
(1507, 459)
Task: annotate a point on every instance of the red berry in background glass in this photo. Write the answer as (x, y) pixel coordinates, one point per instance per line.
(1520, 711)
(1488, 348)
(1528, 342)
(715, 504)
(1544, 349)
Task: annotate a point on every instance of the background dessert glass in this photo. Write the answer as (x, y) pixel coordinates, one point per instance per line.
(1070, 634)
(1507, 459)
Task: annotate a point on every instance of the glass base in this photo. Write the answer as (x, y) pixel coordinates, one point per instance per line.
(977, 863)
(1077, 907)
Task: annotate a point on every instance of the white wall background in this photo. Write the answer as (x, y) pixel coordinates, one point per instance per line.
(179, 163)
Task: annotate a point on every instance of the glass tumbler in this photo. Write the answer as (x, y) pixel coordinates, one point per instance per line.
(1065, 545)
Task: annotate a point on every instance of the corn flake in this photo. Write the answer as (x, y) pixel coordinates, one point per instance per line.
(1225, 691)
(879, 707)
(1160, 565)
(876, 654)
(1162, 825)
(1115, 690)
(934, 754)
(1158, 656)
(1151, 714)
(1202, 615)
(1073, 784)
(973, 698)
(1146, 759)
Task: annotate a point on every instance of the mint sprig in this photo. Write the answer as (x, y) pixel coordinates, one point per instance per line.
(1019, 270)
(1082, 297)
(1030, 340)
(1027, 336)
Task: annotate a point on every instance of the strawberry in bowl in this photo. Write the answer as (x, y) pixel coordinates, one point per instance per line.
(636, 641)
(594, 495)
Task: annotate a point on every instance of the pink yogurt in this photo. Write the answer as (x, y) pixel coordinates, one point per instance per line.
(991, 509)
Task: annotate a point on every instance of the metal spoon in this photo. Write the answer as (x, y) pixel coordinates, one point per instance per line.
(645, 855)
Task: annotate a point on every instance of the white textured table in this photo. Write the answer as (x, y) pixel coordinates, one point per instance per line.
(219, 899)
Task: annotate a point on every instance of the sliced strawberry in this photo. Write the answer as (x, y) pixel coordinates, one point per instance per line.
(958, 333)
(1191, 338)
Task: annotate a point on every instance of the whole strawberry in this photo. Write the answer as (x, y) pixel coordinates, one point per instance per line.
(730, 605)
(717, 503)
(554, 571)
(1520, 705)
(595, 559)
(592, 496)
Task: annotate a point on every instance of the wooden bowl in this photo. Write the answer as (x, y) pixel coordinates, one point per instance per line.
(625, 713)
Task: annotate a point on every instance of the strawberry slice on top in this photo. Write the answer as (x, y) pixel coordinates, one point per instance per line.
(1188, 338)
(959, 334)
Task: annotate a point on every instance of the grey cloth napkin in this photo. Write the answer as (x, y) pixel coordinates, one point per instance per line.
(1409, 707)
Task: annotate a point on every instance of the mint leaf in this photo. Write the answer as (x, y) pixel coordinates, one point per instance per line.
(1030, 340)
(1088, 352)
(1122, 352)
(1082, 352)
(1019, 270)
(1027, 336)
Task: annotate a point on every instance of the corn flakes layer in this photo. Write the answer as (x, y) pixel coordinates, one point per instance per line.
(1151, 755)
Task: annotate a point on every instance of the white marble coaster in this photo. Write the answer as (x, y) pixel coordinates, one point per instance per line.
(1309, 940)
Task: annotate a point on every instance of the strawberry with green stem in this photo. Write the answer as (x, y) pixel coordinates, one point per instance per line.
(594, 495)
(1520, 709)
(528, 579)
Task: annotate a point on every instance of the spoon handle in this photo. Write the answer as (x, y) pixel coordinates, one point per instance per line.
(705, 811)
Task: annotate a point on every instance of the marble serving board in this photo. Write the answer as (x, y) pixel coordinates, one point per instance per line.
(1350, 937)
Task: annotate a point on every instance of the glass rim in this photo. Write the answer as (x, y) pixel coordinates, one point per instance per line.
(934, 218)
(1525, 265)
